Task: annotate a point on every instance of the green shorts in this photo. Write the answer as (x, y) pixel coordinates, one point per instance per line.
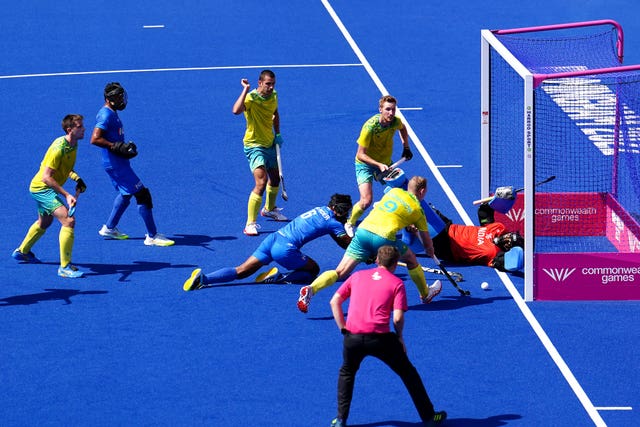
(365, 244)
(48, 201)
(260, 156)
(365, 173)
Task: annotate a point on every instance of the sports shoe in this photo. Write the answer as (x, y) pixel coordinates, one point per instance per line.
(350, 229)
(70, 271)
(274, 214)
(306, 292)
(337, 422)
(433, 291)
(112, 233)
(437, 419)
(29, 258)
(157, 240)
(194, 281)
(263, 277)
(251, 229)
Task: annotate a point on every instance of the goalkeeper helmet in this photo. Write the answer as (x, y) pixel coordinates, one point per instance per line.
(116, 95)
(341, 205)
(509, 240)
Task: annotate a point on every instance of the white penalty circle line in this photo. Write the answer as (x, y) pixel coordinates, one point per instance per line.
(159, 70)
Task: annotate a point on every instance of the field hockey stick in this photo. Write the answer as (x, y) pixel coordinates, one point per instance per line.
(284, 195)
(456, 276)
(488, 199)
(72, 209)
(382, 175)
(453, 282)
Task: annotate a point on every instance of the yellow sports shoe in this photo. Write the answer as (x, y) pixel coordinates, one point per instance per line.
(194, 281)
(267, 274)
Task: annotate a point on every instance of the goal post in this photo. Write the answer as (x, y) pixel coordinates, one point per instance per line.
(555, 100)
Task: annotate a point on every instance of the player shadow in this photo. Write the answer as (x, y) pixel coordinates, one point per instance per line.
(494, 421)
(453, 302)
(199, 240)
(126, 270)
(48, 295)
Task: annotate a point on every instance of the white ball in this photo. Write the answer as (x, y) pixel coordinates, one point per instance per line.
(484, 285)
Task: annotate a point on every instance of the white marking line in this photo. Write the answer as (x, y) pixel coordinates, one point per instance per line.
(614, 408)
(448, 166)
(153, 26)
(542, 336)
(410, 108)
(158, 70)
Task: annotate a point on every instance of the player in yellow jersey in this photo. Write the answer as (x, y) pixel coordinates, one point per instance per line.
(375, 147)
(50, 196)
(397, 209)
(260, 108)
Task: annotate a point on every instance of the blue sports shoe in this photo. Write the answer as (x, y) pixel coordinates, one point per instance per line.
(29, 258)
(70, 271)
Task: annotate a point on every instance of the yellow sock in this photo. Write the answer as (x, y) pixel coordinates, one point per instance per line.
(66, 245)
(417, 275)
(253, 207)
(324, 280)
(356, 213)
(272, 193)
(33, 235)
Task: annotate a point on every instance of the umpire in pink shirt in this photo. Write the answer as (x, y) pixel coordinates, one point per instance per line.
(377, 296)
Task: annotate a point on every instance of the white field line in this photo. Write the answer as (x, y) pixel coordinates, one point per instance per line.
(542, 336)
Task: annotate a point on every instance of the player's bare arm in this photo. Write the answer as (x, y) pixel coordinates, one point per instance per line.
(362, 155)
(238, 106)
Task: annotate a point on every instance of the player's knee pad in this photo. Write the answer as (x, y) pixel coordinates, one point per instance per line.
(143, 197)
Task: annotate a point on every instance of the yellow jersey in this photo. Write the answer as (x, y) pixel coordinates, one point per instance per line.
(396, 210)
(61, 157)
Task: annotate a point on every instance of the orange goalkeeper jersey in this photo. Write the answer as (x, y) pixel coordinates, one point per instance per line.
(473, 244)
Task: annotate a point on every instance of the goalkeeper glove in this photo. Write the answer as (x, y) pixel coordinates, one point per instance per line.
(80, 185)
(128, 150)
(407, 154)
(278, 140)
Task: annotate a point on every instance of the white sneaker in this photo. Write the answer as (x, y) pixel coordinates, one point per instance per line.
(433, 291)
(112, 233)
(306, 292)
(349, 229)
(274, 214)
(251, 229)
(157, 240)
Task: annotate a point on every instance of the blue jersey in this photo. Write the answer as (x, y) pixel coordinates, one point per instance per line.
(311, 225)
(110, 123)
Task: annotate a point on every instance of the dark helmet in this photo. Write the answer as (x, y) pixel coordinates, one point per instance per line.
(116, 95)
(509, 240)
(341, 204)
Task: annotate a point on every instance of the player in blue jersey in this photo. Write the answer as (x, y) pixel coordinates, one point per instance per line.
(108, 134)
(284, 246)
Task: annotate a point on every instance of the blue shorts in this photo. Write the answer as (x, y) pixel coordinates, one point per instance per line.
(125, 180)
(260, 156)
(48, 201)
(365, 173)
(277, 248)
(365, 244)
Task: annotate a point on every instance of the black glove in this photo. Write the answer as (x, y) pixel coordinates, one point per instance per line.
(485, 214)
(498, 262)
(407, 154)
(128, 150)
(81, 186)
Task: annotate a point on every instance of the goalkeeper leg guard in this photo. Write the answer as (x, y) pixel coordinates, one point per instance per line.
(66, 238)
(33, 235)
(253, 207)
(417, 275)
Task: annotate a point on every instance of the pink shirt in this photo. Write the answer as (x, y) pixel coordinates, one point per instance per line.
(374, 294)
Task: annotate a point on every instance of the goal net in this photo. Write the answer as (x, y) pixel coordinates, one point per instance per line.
(556, 102)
